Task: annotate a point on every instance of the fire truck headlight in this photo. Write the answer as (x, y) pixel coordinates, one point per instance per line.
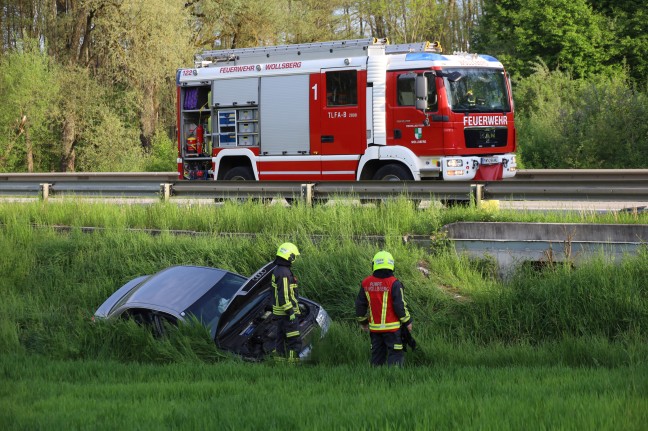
(454, 163)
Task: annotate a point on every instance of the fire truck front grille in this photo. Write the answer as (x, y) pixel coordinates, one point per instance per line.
(485, 137)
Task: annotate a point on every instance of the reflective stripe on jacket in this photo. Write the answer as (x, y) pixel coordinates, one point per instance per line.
(286, 295)
(382, 317)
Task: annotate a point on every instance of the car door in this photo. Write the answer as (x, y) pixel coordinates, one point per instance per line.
(342, 121)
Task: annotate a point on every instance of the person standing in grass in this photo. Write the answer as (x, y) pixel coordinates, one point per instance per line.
(286, 304)
(381, 310)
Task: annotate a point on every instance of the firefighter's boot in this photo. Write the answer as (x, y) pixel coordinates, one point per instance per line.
(293, 358)
(277, 357)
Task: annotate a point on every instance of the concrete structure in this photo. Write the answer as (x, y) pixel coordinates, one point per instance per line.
(511, 244)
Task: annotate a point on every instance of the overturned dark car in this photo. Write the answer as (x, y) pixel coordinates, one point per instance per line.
(237, 310)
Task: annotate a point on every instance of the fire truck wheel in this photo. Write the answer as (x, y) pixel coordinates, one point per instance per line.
(239, 173)
(393, 172)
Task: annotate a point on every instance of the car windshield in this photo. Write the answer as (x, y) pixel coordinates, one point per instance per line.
(476, 90)
(209, 308)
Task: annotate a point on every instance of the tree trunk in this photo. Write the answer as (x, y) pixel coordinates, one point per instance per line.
(84, 51)
(149, 115)
(74, 43)
(30, 151)
(69, 135)
(2, 27)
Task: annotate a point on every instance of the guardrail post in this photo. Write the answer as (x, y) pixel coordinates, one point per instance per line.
(307, 193)
(477, 194)
(44, 191)
(165, 191)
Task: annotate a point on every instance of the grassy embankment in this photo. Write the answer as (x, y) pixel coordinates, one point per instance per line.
(565, 348)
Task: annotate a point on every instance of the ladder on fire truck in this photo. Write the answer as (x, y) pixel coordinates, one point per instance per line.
(404, 48)
(301, 51)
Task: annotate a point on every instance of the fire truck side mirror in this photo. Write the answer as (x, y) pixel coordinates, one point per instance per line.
(454, 76)
(421, 92)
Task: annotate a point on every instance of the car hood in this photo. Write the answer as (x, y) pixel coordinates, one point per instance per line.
(256, 284)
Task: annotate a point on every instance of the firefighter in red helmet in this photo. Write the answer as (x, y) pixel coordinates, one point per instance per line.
(381, 310)
(285, 307)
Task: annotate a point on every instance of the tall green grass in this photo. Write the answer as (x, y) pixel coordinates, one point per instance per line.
(51, 282)
(396, 217)
(561, 348)
(43, 394)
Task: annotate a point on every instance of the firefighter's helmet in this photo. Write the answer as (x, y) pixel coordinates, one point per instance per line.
(383, 260)
(288, 251)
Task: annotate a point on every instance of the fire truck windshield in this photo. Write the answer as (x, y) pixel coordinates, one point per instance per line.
(476, 90)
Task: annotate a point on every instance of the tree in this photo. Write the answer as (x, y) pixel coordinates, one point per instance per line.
(563, 33)
(96, 132)
(448, 21)
(627, 35)
(575, 123)
(140, 45)
(28, 83)
(231, 24)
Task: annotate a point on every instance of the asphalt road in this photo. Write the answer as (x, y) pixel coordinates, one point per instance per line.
(591, 206)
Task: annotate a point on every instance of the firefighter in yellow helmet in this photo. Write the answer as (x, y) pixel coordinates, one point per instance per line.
(381, 310)
(285, 307)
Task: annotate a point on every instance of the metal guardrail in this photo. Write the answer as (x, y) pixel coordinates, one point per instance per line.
(52, 177)
(233, 189)
(582, 190)
(581, 175)
(562, 185)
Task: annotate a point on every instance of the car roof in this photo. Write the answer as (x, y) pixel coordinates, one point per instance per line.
(174, 288)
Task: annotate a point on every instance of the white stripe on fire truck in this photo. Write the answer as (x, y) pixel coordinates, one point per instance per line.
(338, 172)
(308, 173)
(312, 158)
(291, 173)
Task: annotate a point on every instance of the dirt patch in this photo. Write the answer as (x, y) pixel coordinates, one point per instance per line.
(453, 293)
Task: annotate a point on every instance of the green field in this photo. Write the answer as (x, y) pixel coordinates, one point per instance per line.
(564, 348)
(62, 394)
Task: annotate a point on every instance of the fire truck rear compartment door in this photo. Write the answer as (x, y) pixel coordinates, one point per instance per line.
(284, 113)
(236, 92)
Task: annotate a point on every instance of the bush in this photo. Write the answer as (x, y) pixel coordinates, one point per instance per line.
(163, 154)
(601, 123)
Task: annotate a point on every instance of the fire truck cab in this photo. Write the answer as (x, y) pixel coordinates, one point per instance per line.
(345, 110)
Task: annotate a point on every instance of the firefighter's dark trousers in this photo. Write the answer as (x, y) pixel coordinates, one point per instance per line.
(387, 347)
(288, 338)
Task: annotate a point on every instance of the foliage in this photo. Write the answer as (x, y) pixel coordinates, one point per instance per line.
(627, 36)
(29, 85)
(97, 125)
(564, 33)
(163, 154)
(141, 45)
(94, 80)
(573, 123)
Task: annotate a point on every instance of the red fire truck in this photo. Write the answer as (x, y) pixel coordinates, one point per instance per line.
(345, 110)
